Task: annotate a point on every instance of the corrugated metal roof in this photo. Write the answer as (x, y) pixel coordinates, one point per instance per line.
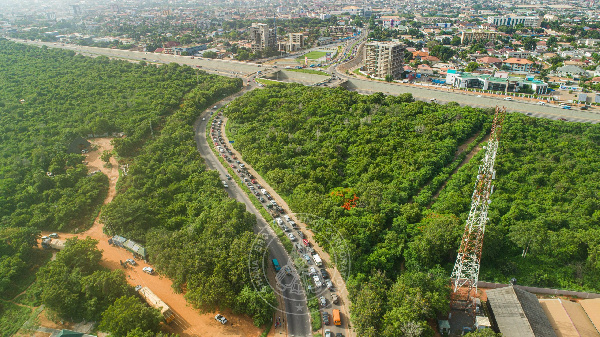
(568, 318)
(592, 309)
(119, 239)
(135, 247)
(518, 313)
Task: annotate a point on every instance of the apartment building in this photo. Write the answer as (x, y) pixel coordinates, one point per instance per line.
(477, 35)
(384, 58)
(262, 37)
(513, 20)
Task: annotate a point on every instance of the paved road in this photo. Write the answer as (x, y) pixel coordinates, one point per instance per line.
(241, 69)
(290, 288)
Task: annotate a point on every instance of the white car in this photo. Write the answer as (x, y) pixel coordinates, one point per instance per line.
(221, 319)
(286, 217)
(224, 184)
(148, 270)
(292, 237)
(279, 221)
(263, 191)
(541, 103)
(508, 98)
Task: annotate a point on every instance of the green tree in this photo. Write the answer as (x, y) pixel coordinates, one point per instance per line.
(472, 66)
(389, 78)
(210, 54)
(127, 314)
(105, 156)
(257, 304)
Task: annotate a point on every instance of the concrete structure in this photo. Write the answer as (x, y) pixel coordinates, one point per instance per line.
(568, 318)
(517, 313)
(382, 59)
(262, 37)
(295, 42)
(187, 50)
(477, 35)
(592, 309)
(513, 20)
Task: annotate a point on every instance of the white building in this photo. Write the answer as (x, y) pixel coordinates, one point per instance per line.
(262, 37)
(512, 20)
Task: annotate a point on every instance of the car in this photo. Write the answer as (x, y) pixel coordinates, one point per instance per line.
(529, 114)
(53, 235)
(566, 107)
(286, 217)
(256, 193)
(329, 284)
(312, 271)
(228, 177)
(432, 99)
(253, 181)
(325, 318)
(232, 166)
(214, 107)
(131, 262)
(221, 319)
(300, 234)
(478, 95)
(263, 191)
(279, 221)
(585, 107)
(339, 334)
(334, 298)
(273, 202)
(541, 103)
(324, 274)
(508, 98)
(285, 229)
(224, 184)
(148, 270)
(288, 270)
(292, 237)
(562, 119)
(261, 199)
(293, 224)
(322, 301)
(328, 333)
(203, 118)
(307, 258)
(242, 165)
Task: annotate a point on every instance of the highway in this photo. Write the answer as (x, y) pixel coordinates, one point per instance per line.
(296, 314)
(363, 86)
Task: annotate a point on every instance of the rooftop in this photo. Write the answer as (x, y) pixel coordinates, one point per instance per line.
(568, 318)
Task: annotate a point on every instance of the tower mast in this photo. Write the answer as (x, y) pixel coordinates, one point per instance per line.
(466, 268)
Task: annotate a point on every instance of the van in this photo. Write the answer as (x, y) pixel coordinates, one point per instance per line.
(276, 265)
(336, 317)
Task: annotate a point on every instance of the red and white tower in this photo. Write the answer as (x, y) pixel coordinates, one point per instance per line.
(466, 268)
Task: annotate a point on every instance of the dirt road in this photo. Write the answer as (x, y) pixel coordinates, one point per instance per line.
(189, 322)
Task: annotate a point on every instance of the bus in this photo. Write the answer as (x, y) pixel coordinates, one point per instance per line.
(276, 265)
(336, 317)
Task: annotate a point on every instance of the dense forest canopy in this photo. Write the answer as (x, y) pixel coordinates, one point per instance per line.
(367, 164)
(167, 200)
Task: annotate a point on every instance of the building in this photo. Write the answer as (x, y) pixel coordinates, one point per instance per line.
(570, 71)
(477, 35)
(383, 59)
(592, 306)
(262, 37)
(513, 20)
(568, 318)
(516, 64)
(191, 51)
(496, 82)
(515, 312)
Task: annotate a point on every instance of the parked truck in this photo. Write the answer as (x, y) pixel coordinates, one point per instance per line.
(156, 303)
(48, 243)
(318, 260)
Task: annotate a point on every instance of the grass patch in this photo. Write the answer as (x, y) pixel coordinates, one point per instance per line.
(313, 55)
(12, 318)
(315, 319)
(266, 82)
(310, 71)
(267, 329)
(39, 257)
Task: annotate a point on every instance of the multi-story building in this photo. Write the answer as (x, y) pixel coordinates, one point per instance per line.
(262, 37)
(512, 20)
(295, 41)
(478, 35)
(517, 64)
(384, 58)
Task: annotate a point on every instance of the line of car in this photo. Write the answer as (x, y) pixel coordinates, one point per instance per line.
(283, 220)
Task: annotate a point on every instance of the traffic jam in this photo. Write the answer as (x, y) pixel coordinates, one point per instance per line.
(318, 274)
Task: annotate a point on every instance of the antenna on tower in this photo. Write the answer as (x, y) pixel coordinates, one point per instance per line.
(466, 268)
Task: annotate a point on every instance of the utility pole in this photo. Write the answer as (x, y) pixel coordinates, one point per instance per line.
(465, 274)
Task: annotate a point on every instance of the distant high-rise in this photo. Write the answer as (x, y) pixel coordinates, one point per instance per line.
(384, 58)
(75, 10)
(261, 37)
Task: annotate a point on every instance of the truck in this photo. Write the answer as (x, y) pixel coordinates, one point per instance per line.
(48, 243)
(276, 265)
(318, 260)
(156, 303)
(336, 317)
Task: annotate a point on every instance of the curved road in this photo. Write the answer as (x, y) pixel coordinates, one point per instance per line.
(296, 313)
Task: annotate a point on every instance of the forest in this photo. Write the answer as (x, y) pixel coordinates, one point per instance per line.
(167, 200)
(367, 165)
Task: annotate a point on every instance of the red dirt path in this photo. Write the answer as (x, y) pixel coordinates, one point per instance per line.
(189, 322)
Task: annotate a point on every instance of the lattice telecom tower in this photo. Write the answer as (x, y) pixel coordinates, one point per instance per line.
(466, 268)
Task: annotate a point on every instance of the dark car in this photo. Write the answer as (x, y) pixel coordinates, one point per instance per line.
(324, 273)
(325, 318)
